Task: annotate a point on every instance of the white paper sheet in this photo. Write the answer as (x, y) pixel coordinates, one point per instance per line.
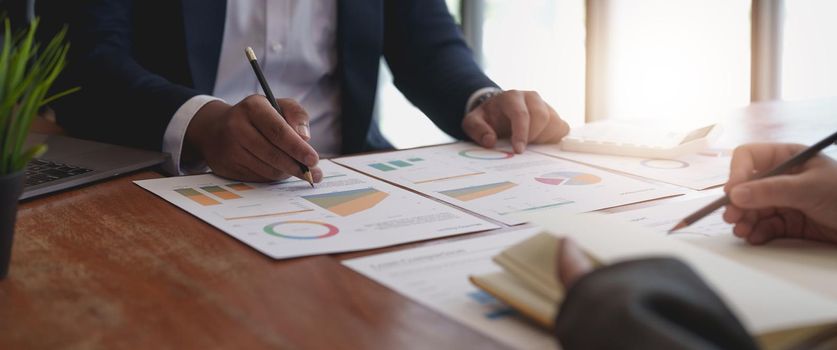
(500, 184)
(347, 211)
(437, 277)
(699, 171)
(809, 264)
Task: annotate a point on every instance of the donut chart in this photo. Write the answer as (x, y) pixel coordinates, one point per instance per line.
(301, 229)
(485, 154)
(664, 164)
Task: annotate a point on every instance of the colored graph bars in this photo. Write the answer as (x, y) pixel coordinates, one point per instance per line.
(346, 203)
(215, 190)
(395, 164)
(240, 187)
(474, 192)
(495, 309)
(196, 196)
(220, 192)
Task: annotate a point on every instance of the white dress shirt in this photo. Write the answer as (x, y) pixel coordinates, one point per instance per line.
(297, 49)
(295, 41)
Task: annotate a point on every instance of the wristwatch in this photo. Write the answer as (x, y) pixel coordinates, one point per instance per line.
(481, 98)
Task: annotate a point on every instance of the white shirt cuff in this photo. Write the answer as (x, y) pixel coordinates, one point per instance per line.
(476, 95)
(176, 132)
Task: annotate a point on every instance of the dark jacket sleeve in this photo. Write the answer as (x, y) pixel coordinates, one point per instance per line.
(655, 303)
(121, 100)
(430, 62)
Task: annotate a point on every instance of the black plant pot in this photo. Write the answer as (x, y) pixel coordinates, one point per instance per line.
(11, 186)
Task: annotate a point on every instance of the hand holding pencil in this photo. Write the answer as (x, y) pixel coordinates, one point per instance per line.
(801, 203)
(257, 139)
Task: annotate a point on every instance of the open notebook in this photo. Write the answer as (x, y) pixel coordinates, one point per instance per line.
(778, 313)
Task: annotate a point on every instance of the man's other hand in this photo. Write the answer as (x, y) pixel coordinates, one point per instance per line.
(522, 116)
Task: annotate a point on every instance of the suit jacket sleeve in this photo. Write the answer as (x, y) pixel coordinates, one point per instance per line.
(430, 62)
(647, 304)
(121, 101)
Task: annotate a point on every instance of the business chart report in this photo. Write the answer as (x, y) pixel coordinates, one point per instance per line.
(346, 211)
(500, 184)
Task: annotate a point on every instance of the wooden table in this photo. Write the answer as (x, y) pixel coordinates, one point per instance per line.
(112, 266)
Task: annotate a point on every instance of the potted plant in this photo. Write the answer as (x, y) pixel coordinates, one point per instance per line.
(27, 71)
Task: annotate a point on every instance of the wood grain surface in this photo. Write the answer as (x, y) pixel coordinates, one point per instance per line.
(112, 266)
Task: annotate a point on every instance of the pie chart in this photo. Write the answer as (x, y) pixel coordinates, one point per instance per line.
(568, 178)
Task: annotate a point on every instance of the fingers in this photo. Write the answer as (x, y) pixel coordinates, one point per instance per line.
(572, 263)
(554, 131)
(274, 164)
(764, 225)
(478, 129)
(777, 191)
(733, 214)
(523, 116)
(539, 114)
(243, 166)
(268, 122)
(766, 230)
(750, 159)
(513, 106)
(296, 117)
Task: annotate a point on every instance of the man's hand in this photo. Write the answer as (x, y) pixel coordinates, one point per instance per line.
(250, 141)
(801, 204)
(521, 115)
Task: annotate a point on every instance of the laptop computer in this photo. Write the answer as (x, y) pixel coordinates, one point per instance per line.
(71, 162)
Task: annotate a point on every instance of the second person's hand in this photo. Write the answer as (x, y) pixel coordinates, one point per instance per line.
(523, 116)
(251, 142)
(802, 204)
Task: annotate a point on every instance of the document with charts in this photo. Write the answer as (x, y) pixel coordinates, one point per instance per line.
(806, 263)
(698, 171)
(347, 211)
(500, 184)
(437, 277)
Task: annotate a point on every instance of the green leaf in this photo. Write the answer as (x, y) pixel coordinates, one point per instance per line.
(32, 153)
(28, 70)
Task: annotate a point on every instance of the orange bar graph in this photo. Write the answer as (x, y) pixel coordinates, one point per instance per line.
(220, 192)
(196, 196)
(240, 187)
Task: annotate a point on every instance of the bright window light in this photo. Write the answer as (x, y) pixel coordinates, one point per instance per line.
(538, 46)
(685, 60)
(809, 64)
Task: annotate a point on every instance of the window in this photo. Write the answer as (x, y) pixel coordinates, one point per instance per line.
(401, 123)
(809, 62)
(687, 61)
(680, 59)
(540, 47)
(515, 56)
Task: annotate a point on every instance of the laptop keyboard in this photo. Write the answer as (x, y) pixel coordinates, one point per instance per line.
(40, 171)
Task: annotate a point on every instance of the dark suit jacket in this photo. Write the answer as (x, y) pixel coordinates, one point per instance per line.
(139, 61)
(647, 304)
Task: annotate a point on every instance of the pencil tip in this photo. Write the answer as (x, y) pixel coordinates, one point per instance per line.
(679, 225)
(309, 178)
